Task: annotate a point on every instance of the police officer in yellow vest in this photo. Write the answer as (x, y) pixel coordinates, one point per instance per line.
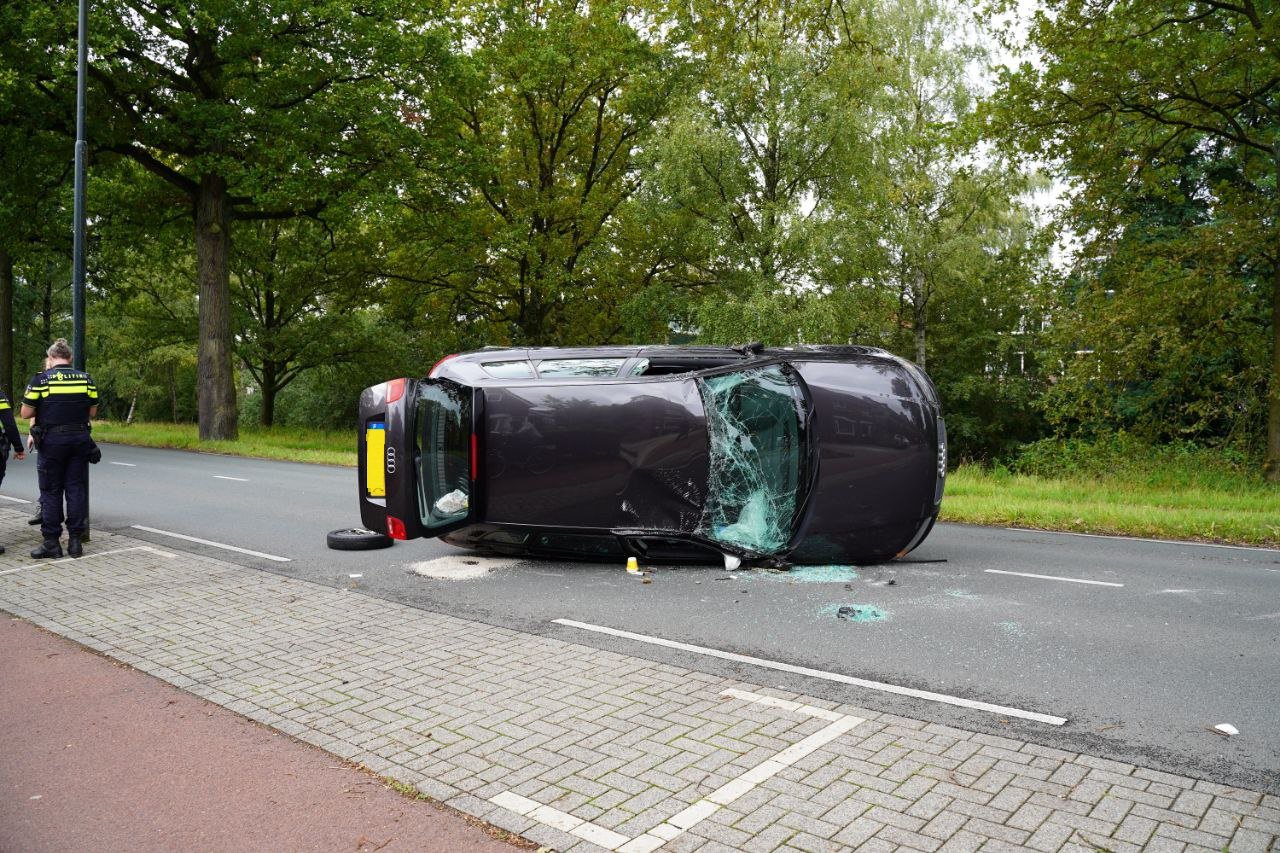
(62, 400)
(11, 438)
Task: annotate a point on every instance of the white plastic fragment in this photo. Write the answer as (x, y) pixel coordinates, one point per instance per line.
(1227, 729)
(452, 503)
(355, 576)
(731, 562)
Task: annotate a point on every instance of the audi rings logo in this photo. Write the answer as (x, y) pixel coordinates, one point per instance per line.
(391, 460)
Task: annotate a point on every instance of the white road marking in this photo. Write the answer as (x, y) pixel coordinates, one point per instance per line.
(90, 555)
(237, 479)
(1050, 577)
(684, 820)
(124, 464)
(13, 500)
(222, 545)
(822, 674)
(1140, 539)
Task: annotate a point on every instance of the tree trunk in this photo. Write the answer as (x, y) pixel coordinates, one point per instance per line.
(1272, 469)
(216, 391)
(6, 322)
(919, 305)
(268, 393)
(46, 307)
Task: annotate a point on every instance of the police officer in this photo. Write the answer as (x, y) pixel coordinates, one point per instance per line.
(62, 400)
(11, 438)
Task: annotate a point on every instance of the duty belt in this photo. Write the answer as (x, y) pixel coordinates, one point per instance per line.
(58, 428)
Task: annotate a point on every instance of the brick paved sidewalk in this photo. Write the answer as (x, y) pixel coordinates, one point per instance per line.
(582, 749)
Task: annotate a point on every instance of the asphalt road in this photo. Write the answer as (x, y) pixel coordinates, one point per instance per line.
(1168, 641)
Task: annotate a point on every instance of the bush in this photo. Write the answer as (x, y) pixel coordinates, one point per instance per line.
(1121, 455)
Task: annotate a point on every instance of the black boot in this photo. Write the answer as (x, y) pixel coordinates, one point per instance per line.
(50, 548)
(37, 518)
(74, 548)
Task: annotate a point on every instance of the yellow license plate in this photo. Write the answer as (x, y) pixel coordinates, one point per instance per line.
(375, 448)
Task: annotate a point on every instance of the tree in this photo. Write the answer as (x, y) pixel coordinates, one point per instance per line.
(243, 112)
(747, 173)
(1160, 327)
(944, 209)
(1123, 87)
(35, 222)
(299, 295)
(550, 103)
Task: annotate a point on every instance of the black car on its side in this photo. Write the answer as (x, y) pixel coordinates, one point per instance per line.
(812, 454)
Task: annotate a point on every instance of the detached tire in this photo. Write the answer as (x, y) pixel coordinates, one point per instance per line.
(357, 539)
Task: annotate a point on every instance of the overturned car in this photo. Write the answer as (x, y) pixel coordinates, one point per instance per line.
(817, 454)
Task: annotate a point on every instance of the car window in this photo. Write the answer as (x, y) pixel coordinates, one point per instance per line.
(508, 369)
(756, 456)
(444, 463)
(598, 367)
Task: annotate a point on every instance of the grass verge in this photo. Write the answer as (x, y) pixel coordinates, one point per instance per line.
(1234, 512)
(294, 444)
(1115, 490)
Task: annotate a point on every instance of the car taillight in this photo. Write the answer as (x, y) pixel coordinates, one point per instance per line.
(395, 389)
(436, 366)
(395, 528)
(474, 458)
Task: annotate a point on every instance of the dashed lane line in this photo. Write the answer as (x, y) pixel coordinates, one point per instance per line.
(840, 678)
(213, 544)
(1050, 577)
(237, 479)
(13, 500)
(125, 464)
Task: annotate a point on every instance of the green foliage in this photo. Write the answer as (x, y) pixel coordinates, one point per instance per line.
(1126, 457)
(546, 108)
(1164, 116)
(1164, 326)
(297, 444)
(988, 418)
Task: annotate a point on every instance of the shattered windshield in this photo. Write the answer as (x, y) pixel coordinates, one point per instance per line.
(754, 420)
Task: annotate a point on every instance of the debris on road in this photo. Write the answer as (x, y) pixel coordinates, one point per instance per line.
(860, 613)
(1226, 729)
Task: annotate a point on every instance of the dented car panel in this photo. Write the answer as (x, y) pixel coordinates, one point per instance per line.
(672, 454)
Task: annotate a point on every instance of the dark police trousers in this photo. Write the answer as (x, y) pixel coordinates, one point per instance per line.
(62, 467)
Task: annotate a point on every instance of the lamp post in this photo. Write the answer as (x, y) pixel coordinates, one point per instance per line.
(77, 241)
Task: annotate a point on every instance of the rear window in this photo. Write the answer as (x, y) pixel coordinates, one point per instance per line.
(444, 460)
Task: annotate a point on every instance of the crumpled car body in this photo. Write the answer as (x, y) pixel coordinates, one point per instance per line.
(805, 455)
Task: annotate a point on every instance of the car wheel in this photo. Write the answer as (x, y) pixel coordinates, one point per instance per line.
(357, 539)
